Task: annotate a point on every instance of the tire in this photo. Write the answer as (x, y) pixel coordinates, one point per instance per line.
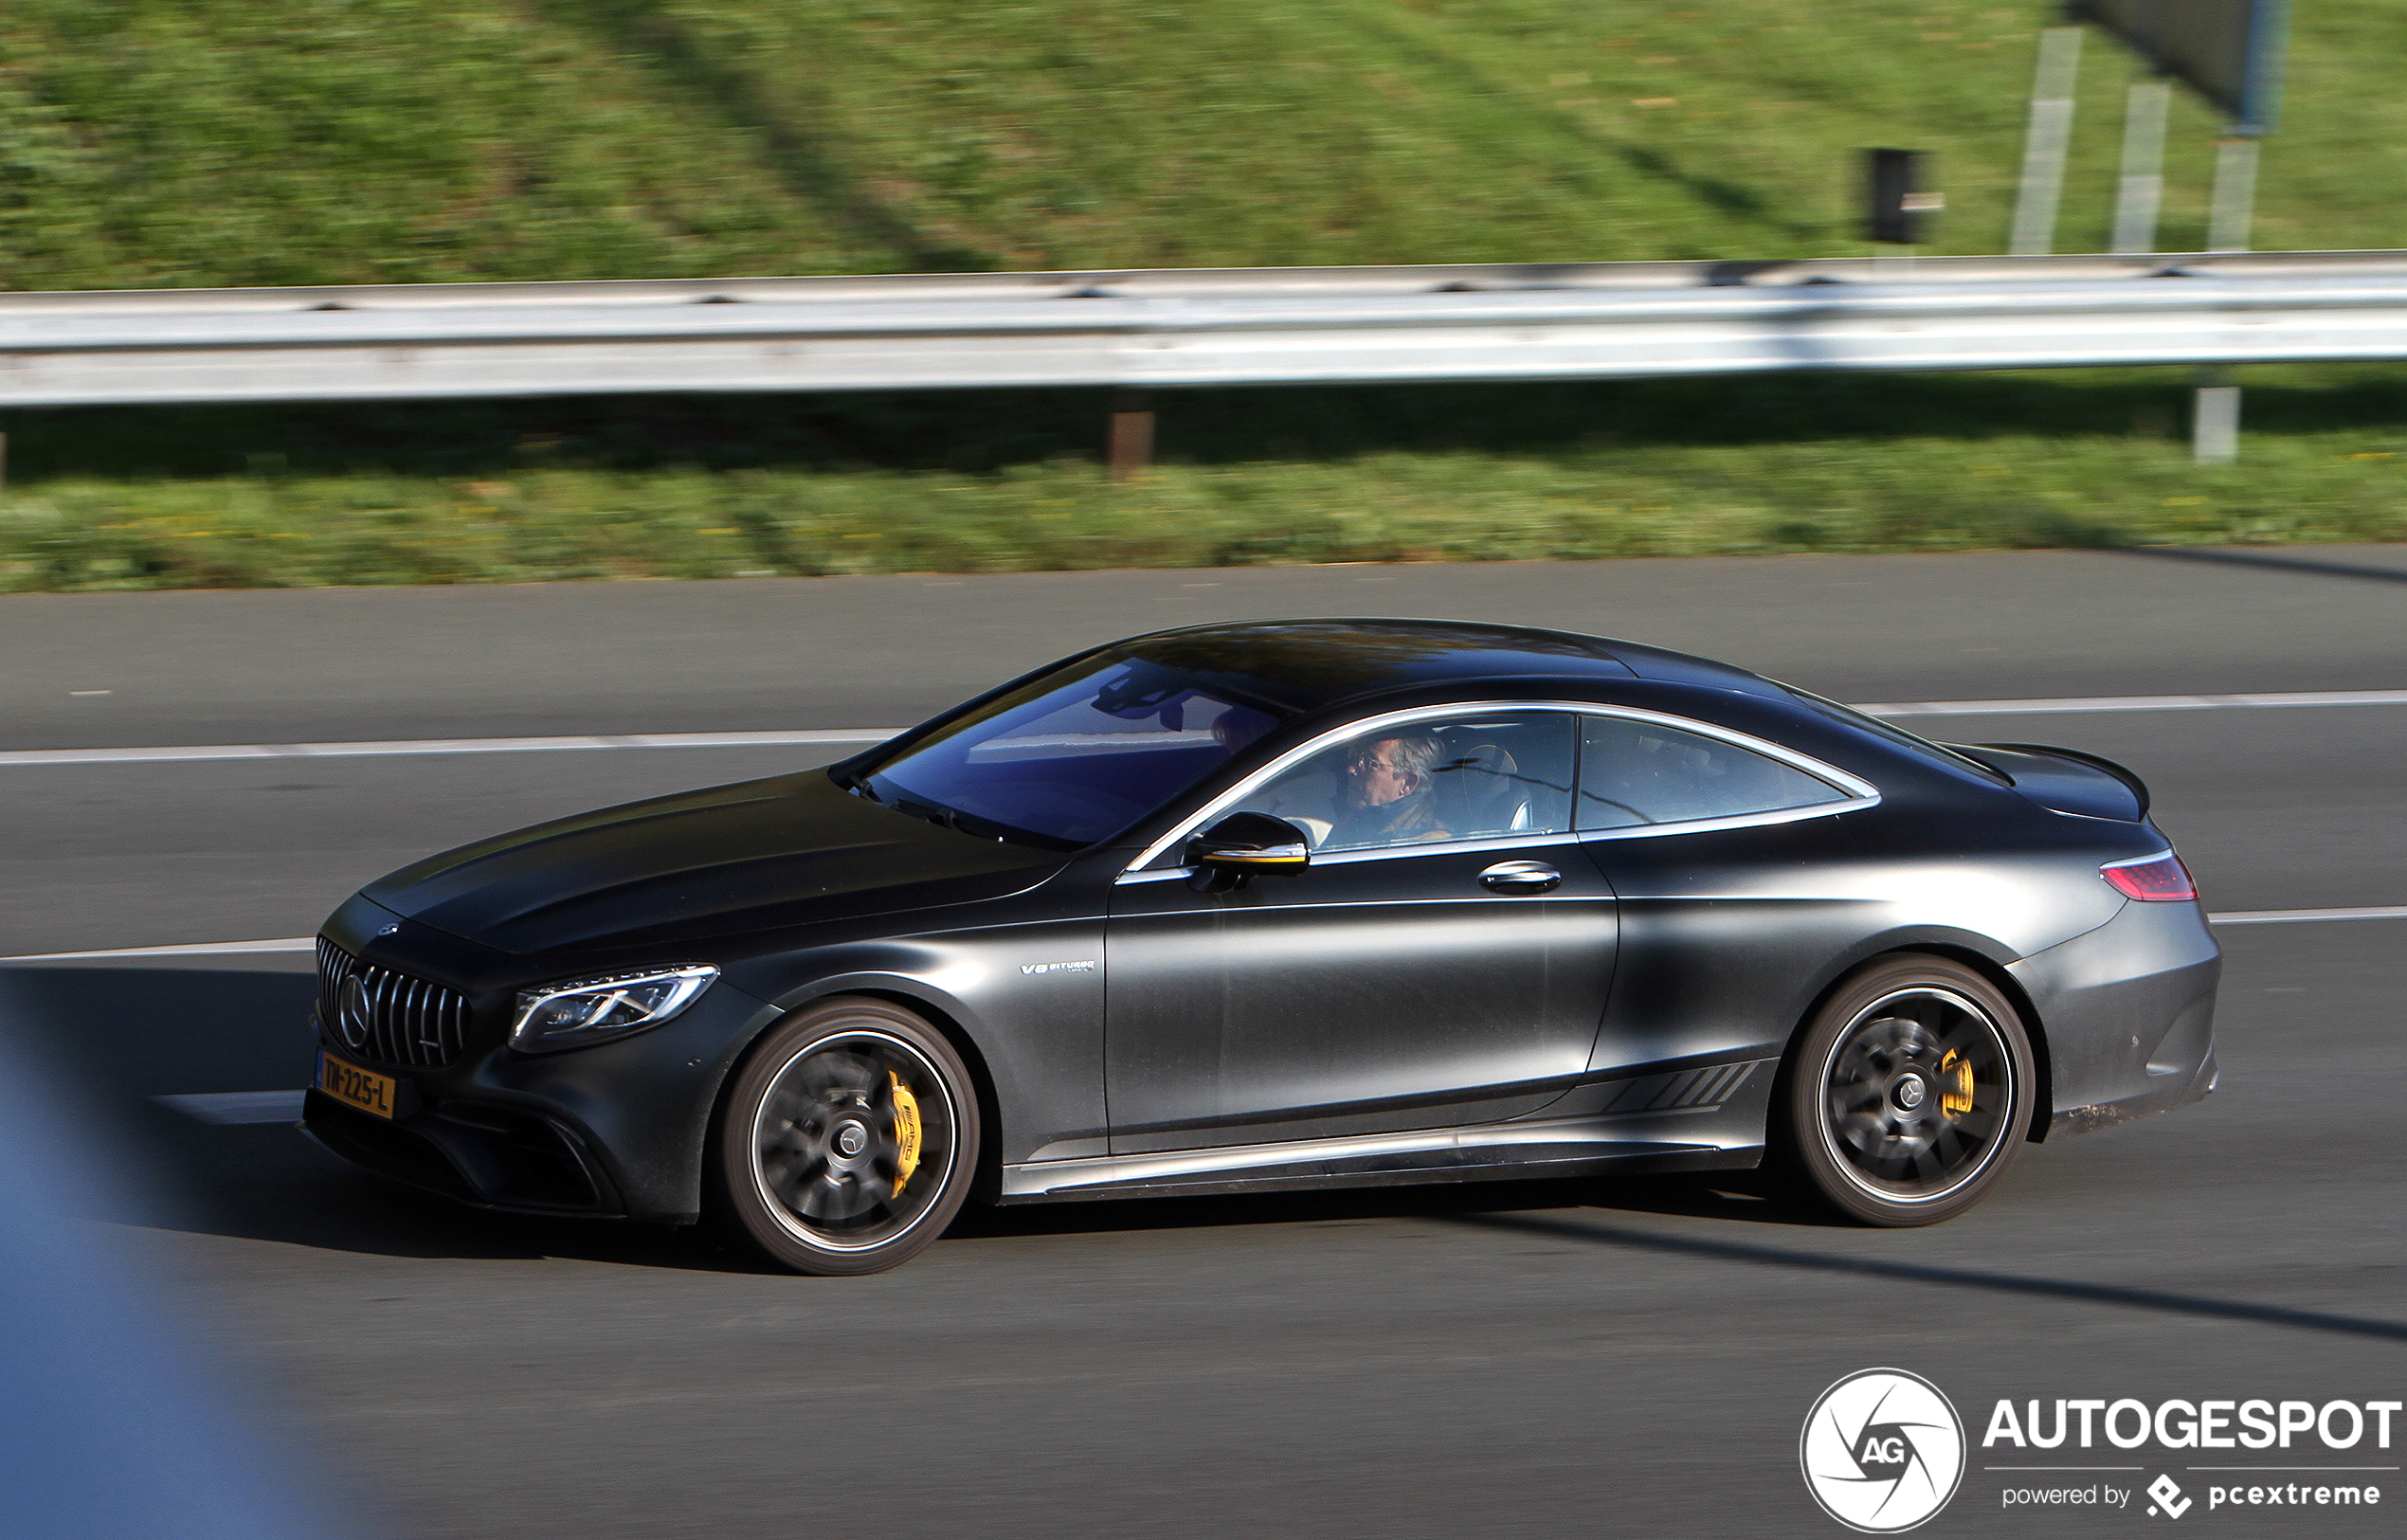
(1908, 1095)
(849, 1140)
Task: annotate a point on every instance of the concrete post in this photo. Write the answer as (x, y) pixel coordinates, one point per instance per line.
(2043, 154)
(2140, 192)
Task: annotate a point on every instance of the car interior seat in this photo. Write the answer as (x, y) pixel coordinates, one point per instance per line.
(1479, 792)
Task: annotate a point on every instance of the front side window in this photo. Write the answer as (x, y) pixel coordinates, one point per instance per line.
(1073, 757)
(1638, 772)
(1473, 777)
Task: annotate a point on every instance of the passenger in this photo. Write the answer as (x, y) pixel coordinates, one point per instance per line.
(1386, 799)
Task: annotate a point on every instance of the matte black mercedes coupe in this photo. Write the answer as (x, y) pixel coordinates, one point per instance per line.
(1276, 905)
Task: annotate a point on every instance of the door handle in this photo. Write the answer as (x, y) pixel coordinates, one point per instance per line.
(1521, 877)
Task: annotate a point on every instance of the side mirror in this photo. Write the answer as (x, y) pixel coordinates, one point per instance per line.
(1243, 844)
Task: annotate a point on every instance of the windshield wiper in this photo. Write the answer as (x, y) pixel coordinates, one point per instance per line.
(960, 823)
(950, 818)
(944, 818)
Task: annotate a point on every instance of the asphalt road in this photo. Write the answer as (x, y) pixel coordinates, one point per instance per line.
(1627, 1358)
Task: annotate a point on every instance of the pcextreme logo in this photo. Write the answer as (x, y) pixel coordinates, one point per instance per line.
(1883, 1451)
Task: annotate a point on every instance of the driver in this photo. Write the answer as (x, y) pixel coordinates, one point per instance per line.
(1385, 798)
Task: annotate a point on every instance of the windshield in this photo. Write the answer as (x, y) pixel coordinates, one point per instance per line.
(1073, 757)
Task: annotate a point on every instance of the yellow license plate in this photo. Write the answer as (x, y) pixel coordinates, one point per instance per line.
(362, 1088)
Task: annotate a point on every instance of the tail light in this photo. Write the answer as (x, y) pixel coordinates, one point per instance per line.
(2152, 879)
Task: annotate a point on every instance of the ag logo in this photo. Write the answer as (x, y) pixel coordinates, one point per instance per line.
(1882, 1451)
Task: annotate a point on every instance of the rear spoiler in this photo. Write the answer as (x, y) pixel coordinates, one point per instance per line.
(2123, 773)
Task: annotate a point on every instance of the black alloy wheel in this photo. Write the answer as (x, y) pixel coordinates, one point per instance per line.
(1909, 1093)
(850, 1139)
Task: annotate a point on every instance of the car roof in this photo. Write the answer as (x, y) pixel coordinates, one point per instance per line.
(1308, 664)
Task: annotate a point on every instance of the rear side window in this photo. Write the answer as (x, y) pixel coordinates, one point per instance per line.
(1635, 773)
(1863, 723)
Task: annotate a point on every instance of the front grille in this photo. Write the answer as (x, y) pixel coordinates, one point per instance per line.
(394, 1018)
(334, 965)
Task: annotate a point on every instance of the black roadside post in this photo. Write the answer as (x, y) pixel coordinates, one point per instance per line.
(1900, 205)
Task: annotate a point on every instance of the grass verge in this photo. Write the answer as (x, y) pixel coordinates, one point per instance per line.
(191, 142)
(693, 489)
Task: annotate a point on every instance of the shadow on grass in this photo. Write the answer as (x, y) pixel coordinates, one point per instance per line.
(983, 432)
(715, 80)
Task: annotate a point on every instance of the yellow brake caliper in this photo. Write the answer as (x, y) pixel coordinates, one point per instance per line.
(1955, 1086)
(907, 1129)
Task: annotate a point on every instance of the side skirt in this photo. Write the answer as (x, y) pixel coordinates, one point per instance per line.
(1512, 1151)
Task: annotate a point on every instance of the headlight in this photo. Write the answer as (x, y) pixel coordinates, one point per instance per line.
(581, 1011)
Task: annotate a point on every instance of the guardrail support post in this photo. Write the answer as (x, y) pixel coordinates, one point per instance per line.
(2215, 425)
(1131, 441)
(2034, 205)
(2214, 435)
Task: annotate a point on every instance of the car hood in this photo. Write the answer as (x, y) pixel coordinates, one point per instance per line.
(733, 860)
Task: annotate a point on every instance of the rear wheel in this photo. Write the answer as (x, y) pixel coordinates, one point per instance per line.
(1909, 1093)
(850, 1139)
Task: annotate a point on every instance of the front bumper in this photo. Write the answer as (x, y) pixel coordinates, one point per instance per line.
(615, 1131)
(489, 1156)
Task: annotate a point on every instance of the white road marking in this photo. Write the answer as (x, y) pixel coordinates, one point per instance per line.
(304, 943)
(2090, 703)
(238, 1106)
(2300, 916)
(196, 948)
(375, 749)
(440, 746)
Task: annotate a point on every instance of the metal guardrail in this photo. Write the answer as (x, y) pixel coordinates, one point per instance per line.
(1197, 327)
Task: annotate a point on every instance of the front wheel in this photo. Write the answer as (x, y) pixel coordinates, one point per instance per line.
(850, 1138)
(1909, 1093)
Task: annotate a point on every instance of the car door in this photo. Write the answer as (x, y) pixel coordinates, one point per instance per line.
(1440, 961)
(1741, 869)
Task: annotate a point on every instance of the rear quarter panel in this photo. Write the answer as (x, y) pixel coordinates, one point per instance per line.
(1728, 937)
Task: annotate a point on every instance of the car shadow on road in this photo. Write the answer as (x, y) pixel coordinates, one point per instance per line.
(1733, 1249)
(269, 1183)
(1735, 1195)
(115, 1038)
(124, 1036)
